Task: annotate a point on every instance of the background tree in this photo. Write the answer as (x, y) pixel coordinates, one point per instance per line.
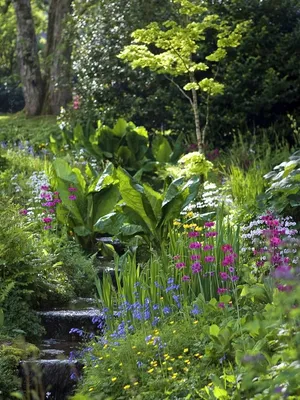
(48, 92)
(176, 49)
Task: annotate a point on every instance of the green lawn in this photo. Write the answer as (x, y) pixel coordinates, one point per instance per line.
(35, 129)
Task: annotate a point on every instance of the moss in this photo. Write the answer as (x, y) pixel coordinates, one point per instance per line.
(12, 351)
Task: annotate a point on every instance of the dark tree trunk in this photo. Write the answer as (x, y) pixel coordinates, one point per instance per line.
(58, 91)
(28, 58)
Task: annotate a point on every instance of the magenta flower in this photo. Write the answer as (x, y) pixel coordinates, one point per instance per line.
(211, 234)
(231, 270)
(195, 245)
(195, 257)
(222, 290)
(196, 267)
(47, 220)
(209, 224)
(23, 212)
(234, 278)
(193, 234)
(56, 193)
(224, 276)
(260, 263)
(221, 305)
(72, 189)
(227, 248)
(285, 288)
(72, 197)
(45, 187)
(180, 265)
(209, 258)
(275, 241)
(47, 227)
(51, 210)
(48, 204)
(55, 201)
(185, 278)
(208, 247)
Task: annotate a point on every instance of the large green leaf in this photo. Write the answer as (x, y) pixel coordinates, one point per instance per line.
(106, 179)
(133, 195)
(155, 199)
(172, 191)
(119, 128)
(64, 171)
(111, 223)
(161, 149)
(104, 202)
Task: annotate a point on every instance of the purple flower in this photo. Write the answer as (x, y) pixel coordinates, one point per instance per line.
(208, 247)
(195, 245)
(45, 187)
(47, 227)
(72, 189)
(224, 276)
(227, 248)
(177, 257)
(234, 278)
(23, 212)
(180, 265)
(209, 224)
(211, 234)
(195, 257)
(283, 272)
(209, 258)
(231, 270)
(193, 234)
(196, 267)
(221, 305)
(185, 278)
(222, 290)
(72, 197)
(47, 220)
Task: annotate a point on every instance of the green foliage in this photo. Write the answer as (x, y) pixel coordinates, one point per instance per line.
(284, 193)
(36, 130)
(95, 197)
(145, 213)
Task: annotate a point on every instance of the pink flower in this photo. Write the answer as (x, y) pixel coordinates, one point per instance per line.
(185, 278)
(72, 189)
(55, 201)
(209, 258)
(177, 257)
(195, 257)
(23, 212)
(224, 276)
(234, 278)
(47, 227)
(45, 187)
(209, 224)
(275, 241)
(51, 210)
(196, 267)
(195, 245)
(208, 247)
(72, 197)
(193, 234)
(231, 270)
(47, 220)
(180, 265)
(227, 248)
(211, 234)
(221, 305)
(222, 290)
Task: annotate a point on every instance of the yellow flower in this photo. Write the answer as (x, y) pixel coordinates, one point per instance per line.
(186, 226)
(186, 350)
(196, 355)
(174, 331)
(176, 223)
(133, 347)
(186, 369)
(172, 322)
(150, 371)
(180, 357)
(198, 228)
(170, 369)
(190, 214)
(136, 383)
(121, 364)
(138, 352)
(105, 346)
(195, 322)
(114, 379)
(172, 359)
(91, 389)
(161, 298)
(164, 363)
(192, 225)
(126, 387)
(187, 361)
(108, 369)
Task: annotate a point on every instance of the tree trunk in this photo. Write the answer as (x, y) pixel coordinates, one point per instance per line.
(58, 91)
(200, 139)
(30, 72)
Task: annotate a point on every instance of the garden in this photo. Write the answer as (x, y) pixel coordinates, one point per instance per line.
(149, 200)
